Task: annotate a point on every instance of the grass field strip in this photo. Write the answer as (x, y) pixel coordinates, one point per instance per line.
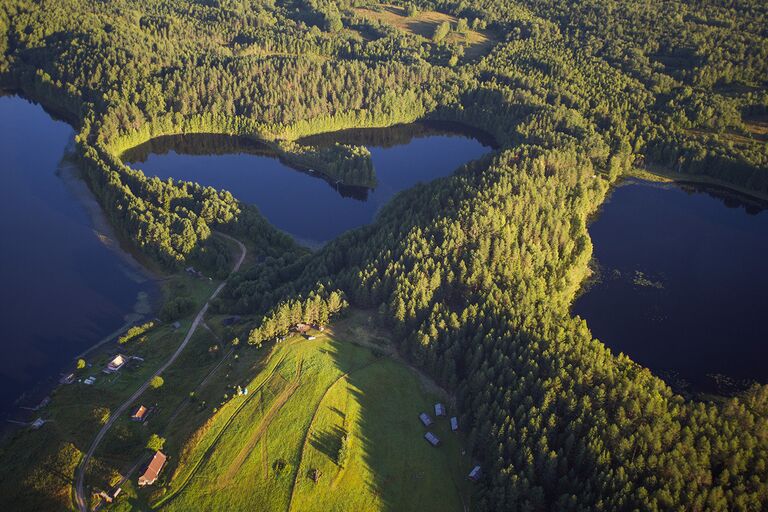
(314, 416)
(185, 481)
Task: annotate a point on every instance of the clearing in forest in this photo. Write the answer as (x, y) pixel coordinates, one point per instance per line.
(309, 396)
(424, 23)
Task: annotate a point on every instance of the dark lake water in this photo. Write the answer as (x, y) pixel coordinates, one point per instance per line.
(63, 289)
(683, 285)
(306, 206)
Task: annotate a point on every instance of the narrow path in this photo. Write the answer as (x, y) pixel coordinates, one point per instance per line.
(80, 472)
(277, 404)
(312, 422)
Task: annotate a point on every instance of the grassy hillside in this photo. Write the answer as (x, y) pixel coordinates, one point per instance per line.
(259, 451)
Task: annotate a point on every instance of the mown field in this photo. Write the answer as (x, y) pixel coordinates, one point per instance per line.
(260, 451)
(424, 23)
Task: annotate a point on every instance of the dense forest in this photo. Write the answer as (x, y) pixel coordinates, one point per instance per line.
(475, 272)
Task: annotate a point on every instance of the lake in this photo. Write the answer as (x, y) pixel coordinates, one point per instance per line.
(306, 206)
(65, 285)
(683, 283)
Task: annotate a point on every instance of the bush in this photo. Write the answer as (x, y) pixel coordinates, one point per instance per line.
(176, 308)
(155, 442)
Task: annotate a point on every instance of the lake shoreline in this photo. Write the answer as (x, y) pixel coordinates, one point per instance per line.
(631, 259)
(147, 301)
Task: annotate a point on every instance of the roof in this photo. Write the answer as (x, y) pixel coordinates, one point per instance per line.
(439, 409)
(302, 327)
(140, 413)
(117, 362)
(475, 473)
(425, 419)
(432, 438)
(454, 423)
(153, 470)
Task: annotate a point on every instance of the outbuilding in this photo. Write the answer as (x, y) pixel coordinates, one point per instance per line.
(425, 419)
(153, 470)
(140, 415)
(439, 409)
(454, 423)
(432, 439)
(474, 475)
(115, 364)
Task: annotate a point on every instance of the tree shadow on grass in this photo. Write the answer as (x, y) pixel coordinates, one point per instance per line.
(328, 442)
(387, 438)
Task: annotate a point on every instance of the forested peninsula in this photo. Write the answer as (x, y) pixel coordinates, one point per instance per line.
(474, 274)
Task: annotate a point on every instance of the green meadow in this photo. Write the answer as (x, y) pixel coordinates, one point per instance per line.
(278, 447)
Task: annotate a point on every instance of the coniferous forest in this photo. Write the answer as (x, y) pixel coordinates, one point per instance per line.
(473, 273)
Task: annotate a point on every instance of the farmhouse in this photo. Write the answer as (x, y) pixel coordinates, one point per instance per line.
(153, 470)
(432, 438)
(454, 423)
(115, 364)
(140, 415)
(474, 475)
(439, 409)
(425, 419)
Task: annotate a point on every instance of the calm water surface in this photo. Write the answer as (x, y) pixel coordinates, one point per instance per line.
(683, 283)
(306, 206)
(62, 288)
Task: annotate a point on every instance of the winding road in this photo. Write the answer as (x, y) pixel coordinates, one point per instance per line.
(117, 413)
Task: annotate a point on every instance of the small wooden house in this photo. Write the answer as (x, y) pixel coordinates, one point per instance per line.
(454, 423)
(439, 409)
(425, 419)
(432, 439)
